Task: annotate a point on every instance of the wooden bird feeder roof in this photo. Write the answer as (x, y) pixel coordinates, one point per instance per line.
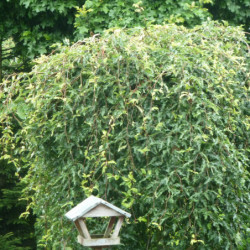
(95, 207)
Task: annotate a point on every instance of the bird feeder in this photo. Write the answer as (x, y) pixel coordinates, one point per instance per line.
(96, 207)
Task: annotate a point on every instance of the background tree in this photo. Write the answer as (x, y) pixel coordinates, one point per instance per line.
(33, 26)
(235, 12)
(15, 232)
(96, 16)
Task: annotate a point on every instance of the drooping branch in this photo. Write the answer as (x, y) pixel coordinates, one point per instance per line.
(8, 49)
(4, 57)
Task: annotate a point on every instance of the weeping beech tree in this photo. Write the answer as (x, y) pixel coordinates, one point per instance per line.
(152, 119)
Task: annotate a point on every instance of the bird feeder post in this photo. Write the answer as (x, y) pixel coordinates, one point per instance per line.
(94, 207)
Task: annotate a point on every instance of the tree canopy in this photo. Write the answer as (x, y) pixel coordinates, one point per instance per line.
(152, 119)
(235, 12)
(34, 26)
(95, 16)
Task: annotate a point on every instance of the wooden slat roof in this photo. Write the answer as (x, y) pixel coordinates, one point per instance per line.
(88, 204)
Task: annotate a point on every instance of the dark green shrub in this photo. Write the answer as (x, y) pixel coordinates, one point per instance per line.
(235, 12)
(95, 16)
(152, 119)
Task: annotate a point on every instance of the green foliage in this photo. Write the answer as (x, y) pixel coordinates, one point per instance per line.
(15, 232)
(10, 63)
(235, 12)
(27, 29)
(152, 119)
(6, 243)
(34, 26)
(96, 15)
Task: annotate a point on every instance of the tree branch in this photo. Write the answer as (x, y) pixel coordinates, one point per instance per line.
(7, 49)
